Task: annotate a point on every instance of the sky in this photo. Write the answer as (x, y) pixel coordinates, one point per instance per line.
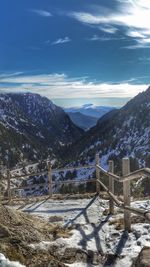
(69, 49)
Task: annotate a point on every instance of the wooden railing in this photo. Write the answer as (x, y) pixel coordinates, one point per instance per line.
(125, 179)
(23, 173)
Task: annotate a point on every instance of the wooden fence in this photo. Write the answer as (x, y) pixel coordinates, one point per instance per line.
(125, 179)
(24, 173)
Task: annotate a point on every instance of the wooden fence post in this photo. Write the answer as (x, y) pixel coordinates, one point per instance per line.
(8, 186)
(126, 193)
(97, 161)
(111, 186)
(49, 179)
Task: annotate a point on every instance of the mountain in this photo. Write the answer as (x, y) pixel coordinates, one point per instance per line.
(83, 121)
(120, 133)
(32, 127)
(90, 110)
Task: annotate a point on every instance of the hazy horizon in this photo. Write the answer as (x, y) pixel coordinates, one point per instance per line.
(78, 102)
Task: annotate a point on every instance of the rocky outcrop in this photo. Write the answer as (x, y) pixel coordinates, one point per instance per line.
(143, 260)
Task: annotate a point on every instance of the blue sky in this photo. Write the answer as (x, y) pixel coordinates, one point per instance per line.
(75, 49)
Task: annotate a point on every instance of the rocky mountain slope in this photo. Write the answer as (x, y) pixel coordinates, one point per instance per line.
(125, 132)
(32, 127)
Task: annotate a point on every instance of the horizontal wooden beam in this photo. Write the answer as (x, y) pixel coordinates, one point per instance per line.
(75, 181)
(109, 174)
(29, 175)
(137, 174)
(73, 168)
(143, 213)
(131, 176)
(54, 183)
(26, 175)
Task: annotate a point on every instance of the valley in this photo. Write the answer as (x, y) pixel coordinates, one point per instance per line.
(73, 226)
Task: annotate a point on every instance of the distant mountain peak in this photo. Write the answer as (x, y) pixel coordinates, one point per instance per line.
(90, 110)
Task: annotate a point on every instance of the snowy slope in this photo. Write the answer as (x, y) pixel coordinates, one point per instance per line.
(33, 126)
(125, 132)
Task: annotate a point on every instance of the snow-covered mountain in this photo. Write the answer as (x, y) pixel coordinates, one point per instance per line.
(33, 126)
(124, 132)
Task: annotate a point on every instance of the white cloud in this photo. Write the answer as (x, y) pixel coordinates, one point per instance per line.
(42, 13)
(11, 74)
(99, 38)
(138, 45)
(142, 3)
(89, 18)
(132, 17)
(104, 38)
(108, 29)
(134, 33)
(61, 41)
(62, 86)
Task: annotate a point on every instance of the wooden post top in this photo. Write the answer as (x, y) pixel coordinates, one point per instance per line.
(49, 165)
(125, 166)
(111, 166)
(97, 159)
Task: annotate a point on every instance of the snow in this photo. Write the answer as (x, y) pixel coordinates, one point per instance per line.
(93, 231)
(77, 264)
(7, 263)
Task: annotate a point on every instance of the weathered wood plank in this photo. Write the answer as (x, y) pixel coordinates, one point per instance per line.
(126, 193)
(49, 168)
(97, 161)
(8, 186)
(116, 177)
(111, 186)
(143, 213)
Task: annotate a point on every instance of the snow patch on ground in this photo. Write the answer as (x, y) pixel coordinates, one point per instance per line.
(77, 264)
(93, 230)
(7, 263)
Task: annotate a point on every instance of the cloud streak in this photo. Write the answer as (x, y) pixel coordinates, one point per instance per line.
(62, 86)
(131, 17)
(42, 13)
(61, 41)
(104, 38)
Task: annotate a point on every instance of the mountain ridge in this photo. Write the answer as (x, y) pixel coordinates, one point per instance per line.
(125, 132)
(90, 110)
(83, 121)
(33, 126)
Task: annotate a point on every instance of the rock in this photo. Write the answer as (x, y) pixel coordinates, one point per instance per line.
(4, 232)
(139, 243)
(143, 260)
(137, 234)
